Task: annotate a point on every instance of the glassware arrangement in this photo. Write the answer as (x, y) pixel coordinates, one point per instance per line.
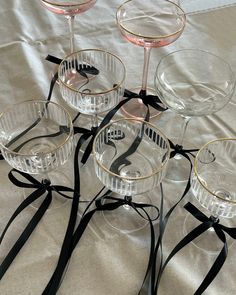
(36, 137)
(190, 87)
(92, 81)
(130, 157)
(213, 185)
(69, 8)
(150, 24)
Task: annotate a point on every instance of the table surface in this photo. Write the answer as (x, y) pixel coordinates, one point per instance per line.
(106, 261)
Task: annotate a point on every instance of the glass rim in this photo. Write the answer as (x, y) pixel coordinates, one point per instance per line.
(158, 83)
(151, 37)
(7, 109)
(65, 5)
(195, 167)
(91, 93)
(126, 177)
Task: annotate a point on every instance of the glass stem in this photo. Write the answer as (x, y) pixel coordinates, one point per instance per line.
(147, 52)
(94, 119)
(183, 130)
(71, 21)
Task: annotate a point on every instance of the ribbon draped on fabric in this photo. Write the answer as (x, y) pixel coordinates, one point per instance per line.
(40, 189)
(206, 223)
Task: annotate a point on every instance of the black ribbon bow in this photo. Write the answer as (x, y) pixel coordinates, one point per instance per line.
(179, 149)
(148, 99)
(40, 189)
(220, 230)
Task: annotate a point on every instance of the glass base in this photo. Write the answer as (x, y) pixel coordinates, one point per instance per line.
(135, 108)
(125, 218)
(207, 241)
(56, 178)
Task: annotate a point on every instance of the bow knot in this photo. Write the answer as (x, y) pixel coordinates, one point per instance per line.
(179, 149)
(215, 220)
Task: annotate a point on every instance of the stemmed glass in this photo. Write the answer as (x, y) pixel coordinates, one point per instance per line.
(192, 82)
(36, 137)
(150, 24)
(213, 185)
(69, 8)
(130, 157)
(92, 81)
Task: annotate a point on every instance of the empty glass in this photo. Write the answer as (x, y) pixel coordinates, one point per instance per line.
(150, 24)
(192, 82)
(130, 157)
(92, 81)
(36, 137)
(68, 8)
(213, 185)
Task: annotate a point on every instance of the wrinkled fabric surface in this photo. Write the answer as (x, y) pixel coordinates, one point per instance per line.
(106, 261)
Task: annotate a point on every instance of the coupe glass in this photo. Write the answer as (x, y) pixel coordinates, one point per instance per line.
(192, 82)
(130, 157)
(92, 81)
(69, 8)
(36, 137)
(150, 24)
(213, 185)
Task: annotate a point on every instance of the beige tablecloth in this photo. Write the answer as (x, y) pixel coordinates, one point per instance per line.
(106, 261)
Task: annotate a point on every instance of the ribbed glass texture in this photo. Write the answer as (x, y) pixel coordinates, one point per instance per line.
(92, 81)
(130, 156)
(213, 181)
(36, 136)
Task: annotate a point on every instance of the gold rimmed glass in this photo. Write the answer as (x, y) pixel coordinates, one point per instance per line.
(69, 8)
(130, 157)
(150, 24)
(92, 81)
(36, 137)
(213, 185)
(191, 88)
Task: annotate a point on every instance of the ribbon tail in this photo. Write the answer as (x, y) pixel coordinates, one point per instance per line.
(25, 235)
(220, 260)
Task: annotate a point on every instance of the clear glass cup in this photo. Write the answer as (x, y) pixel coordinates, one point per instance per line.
(69, 8)
(92, 81)
(130, 157)
(190, 87)
(150, 24)
(36, 137)
(213, 185)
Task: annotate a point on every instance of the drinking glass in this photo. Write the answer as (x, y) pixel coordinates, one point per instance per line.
(36, 137)
(150, 24)
(69, 8)
(213, 185)
(130, 157)
(92, 81)
(192, 82)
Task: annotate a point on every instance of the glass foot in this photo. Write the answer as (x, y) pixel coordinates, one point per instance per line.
(56, 178)
(125, 218)
(135, 108)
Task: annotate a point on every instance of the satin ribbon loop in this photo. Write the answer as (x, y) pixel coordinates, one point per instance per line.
(44, 186)
(114, 203)
(148, 100)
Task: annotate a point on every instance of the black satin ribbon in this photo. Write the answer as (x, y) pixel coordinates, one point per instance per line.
(220, 230)
(40, 189)
(101, 204)
(153, 273)
(148, 100)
